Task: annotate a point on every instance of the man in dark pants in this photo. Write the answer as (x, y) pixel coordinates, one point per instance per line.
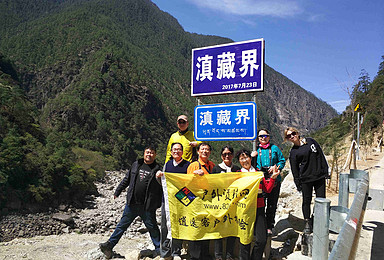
(199, 249)
(143, 198)
(171, 248)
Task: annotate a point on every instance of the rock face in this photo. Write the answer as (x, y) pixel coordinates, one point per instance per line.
(288, 104)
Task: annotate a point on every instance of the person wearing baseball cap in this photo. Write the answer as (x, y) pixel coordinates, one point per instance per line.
(183, 136)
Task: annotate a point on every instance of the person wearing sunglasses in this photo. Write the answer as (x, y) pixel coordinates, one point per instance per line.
(183, 136)
(227, 154)
(269, 159)
(309, 169)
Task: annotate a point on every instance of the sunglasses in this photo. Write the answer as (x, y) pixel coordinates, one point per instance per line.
(226, 154)
(263, 136)
(180, 122)
(290, 135)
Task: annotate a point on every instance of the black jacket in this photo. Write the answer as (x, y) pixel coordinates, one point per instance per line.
(308, 162)
(154, 191)
(218, 169)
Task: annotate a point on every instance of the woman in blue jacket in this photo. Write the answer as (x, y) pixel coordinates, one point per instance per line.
(270, 159)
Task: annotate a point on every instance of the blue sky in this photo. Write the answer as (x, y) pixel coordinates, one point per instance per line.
(320, 45)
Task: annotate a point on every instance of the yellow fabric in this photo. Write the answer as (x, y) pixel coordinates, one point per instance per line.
(184, 139)
(213, 206)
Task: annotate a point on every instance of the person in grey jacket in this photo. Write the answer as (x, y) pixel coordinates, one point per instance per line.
(143, 198)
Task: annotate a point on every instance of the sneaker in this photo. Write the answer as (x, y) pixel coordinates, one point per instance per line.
(176, 257)
(106, 248)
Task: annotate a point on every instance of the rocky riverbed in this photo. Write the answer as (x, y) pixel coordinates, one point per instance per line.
(99, 217)
(70, 233)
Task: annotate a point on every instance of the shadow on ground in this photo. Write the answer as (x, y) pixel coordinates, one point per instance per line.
(377, 251)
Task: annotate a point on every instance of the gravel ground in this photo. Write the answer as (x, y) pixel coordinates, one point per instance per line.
(68, 247)
(289, 224)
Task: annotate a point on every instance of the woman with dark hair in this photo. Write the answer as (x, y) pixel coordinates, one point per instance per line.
(269, 158)
(309, 169)
(226, 165)
(260, 228)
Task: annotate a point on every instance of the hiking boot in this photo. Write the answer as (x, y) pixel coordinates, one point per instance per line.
(149, 253)
(307, 228)
(106, 248)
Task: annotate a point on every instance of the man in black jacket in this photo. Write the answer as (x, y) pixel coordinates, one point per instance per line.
(143, 198)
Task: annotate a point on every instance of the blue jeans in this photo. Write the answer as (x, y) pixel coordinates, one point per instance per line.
(130, 213)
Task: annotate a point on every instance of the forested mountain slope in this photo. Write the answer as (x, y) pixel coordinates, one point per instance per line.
(109, 77)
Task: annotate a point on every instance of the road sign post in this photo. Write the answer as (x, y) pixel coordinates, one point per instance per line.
(227, 69)
(358, 109)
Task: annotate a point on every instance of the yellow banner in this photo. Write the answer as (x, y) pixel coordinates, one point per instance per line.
(213, 206)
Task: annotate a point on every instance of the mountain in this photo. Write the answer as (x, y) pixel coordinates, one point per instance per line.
(109, 77)
(369, 95)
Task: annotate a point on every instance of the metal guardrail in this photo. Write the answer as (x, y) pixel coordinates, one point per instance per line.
(321, 229)
(340, 219)
(347, 241)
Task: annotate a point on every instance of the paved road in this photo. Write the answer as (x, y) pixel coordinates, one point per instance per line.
(371, 240)
(372, 235)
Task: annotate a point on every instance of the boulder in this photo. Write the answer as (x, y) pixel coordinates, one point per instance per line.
(65, 218)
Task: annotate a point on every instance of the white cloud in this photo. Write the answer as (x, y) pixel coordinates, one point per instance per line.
(315, 17)
(277, 8)
(338, 102)
(340, 105)
(249, 22)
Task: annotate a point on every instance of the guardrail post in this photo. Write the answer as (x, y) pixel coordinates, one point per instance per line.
(321, 229)
(346, 243)
(343, 189)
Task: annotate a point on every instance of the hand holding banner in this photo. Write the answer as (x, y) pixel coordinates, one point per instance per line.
(213, 206)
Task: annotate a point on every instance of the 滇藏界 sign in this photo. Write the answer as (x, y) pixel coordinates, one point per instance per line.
(229, 121)
(228, 68)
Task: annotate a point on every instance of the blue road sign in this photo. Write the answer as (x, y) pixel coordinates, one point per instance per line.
(228, 68)
(229, 121)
